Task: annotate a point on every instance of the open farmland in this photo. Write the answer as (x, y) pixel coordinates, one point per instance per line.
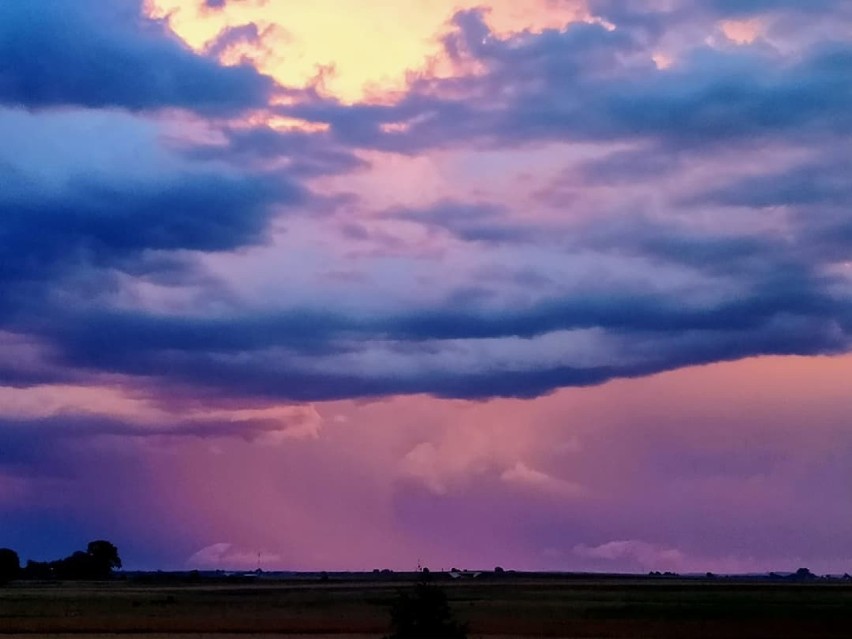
(499, 608)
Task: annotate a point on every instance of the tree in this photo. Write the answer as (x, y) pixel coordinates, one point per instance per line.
(77, 566)
(103, 557)
(10, 565)
(424, 614)
(803, 574)
(97, 562)
(37, 570)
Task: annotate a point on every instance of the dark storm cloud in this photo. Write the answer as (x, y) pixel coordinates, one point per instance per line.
(12, 376)
(827, 182)
(747, 257)
(88, 335)
(816, 194)
(22, 441)
(772, 292)
(105, 54)
(785, 312)
(106, 221)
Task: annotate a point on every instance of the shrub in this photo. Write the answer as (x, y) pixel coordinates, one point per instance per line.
(424, 613)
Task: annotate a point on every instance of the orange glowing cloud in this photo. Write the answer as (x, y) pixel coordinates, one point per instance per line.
(742, 31)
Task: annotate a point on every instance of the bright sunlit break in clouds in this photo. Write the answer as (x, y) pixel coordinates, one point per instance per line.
(548, 284)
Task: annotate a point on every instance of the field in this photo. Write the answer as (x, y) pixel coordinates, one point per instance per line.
(509, 608)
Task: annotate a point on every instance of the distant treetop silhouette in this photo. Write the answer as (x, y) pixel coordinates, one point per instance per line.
(97, 562)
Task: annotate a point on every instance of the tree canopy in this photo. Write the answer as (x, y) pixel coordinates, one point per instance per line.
(10, 565)
(96, 562)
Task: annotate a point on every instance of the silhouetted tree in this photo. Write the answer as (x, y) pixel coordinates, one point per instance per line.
(10, 565)
(37, 570)
(97, 562)
(424, 613)
(77, 566)
(803, 574)
(103, 558)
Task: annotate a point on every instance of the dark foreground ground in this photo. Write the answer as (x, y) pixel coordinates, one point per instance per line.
(507, 608)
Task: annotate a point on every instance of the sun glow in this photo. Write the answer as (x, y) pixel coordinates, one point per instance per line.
(346, 49)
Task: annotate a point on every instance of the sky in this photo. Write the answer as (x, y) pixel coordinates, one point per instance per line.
(336, 285)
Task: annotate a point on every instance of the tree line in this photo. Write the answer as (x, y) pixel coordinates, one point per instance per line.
(96, 562)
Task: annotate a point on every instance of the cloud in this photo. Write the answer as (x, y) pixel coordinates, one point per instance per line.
(824, 183)
(480, 222)
(523, 476)
(217, 5)
(23, 360)
(229, 556)
(640, 556)
(107, 55)
(646, 556)
(736, 7)
(711, 462)
(230, 36)
(629, 166)
(37, 452)
(814, 195)
(300, 153)
(591, 83)
(311, 355)
(21, 437)
(195, 211)
(109, 253)
(94, 194)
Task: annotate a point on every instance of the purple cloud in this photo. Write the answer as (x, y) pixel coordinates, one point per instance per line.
(106, 55)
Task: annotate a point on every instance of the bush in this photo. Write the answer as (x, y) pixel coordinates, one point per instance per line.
(424, 614)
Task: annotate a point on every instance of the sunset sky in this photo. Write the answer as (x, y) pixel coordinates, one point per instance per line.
(355, 284)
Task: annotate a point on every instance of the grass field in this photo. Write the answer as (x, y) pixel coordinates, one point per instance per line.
(507, 608)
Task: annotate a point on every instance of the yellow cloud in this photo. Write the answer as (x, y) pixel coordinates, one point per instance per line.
(357, 48)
